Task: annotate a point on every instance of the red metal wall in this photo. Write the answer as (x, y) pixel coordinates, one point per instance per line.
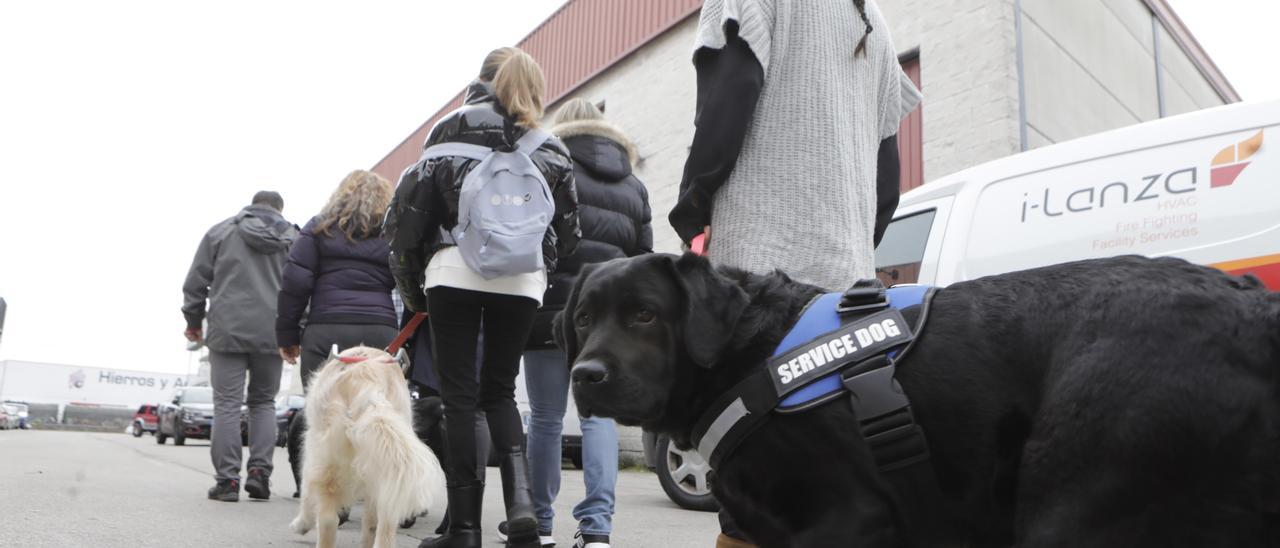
(581, 40)
(910, 138)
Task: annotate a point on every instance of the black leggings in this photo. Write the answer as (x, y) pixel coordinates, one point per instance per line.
(456, 316)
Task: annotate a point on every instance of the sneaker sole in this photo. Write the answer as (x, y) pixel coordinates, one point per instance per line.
(225, 498)
(257, 492)
(523, 532)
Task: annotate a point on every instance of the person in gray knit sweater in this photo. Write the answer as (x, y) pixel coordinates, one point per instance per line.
(794, 161)
(798, 103)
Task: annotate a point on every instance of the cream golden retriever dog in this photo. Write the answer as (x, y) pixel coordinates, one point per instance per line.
(360, 444)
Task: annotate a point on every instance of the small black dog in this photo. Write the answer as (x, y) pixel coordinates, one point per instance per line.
(1124, 402)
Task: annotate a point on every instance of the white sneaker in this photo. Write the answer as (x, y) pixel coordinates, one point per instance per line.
(543, 540)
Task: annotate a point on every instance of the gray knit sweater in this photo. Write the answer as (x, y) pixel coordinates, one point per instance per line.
(801, 197)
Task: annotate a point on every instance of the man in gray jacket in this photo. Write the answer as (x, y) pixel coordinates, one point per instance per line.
(237, 271)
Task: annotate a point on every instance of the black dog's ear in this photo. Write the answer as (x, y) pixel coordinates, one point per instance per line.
(713, 306)
(562, 326)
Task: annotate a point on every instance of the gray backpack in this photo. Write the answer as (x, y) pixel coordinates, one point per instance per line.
(504, 209)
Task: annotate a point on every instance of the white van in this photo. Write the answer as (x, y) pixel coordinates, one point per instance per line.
(1203, 186)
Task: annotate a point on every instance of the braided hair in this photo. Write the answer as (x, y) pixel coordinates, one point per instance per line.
(862, 11)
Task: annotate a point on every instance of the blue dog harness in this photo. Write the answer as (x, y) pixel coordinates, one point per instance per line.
(844, 344)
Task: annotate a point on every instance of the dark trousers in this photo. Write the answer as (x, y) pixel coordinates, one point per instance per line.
(318, 340)
(456, 318)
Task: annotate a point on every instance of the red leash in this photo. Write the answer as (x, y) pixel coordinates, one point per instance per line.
(395, 348)
(407, 332)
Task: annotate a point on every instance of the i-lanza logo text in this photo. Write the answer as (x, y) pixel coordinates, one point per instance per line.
(1225, 168)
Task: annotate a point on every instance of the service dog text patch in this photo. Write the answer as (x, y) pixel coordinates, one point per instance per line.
(831, 351)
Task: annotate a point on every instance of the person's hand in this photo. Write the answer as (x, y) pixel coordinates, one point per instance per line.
(194, 335)
(290, 353)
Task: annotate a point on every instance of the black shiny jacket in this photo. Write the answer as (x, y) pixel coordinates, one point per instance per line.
(426, 199)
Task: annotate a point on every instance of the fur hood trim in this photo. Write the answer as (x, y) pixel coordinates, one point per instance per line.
(599, 128)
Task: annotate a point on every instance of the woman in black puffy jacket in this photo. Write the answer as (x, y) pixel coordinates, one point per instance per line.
(502, 106)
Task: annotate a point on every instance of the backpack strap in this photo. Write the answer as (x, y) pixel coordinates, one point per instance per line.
(532, 140)
(463, 150)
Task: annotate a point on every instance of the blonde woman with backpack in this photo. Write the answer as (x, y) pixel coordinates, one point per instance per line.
(475, 227)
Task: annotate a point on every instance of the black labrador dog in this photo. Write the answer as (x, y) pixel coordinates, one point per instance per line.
(1125, 402)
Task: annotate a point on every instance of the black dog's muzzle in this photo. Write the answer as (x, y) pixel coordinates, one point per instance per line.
(589, 372)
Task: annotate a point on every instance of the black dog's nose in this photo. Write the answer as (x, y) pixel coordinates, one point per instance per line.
(589, 372)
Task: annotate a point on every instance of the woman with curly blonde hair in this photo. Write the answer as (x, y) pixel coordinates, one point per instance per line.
(338, 266)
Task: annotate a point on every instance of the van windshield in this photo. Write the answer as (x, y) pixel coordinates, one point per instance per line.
(901, 250)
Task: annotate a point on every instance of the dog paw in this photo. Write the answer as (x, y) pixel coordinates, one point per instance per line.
(300, 526)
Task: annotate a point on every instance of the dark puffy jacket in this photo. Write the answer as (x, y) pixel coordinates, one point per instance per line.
(613, 210)
(426, 199)
(343, 282)
(236, 272)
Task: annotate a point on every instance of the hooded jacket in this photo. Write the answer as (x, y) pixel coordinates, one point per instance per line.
(426, 200)
(236, 271)
(613, 211)
(343, 281)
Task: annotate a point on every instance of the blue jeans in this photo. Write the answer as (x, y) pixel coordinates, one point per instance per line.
(547, 380)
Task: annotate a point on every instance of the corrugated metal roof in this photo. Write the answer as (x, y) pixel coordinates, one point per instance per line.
(579, 41)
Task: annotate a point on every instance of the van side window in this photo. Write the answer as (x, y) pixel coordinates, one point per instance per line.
(902, 249)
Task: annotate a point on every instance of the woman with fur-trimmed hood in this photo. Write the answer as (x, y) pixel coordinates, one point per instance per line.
(613, 204)
(613, 208)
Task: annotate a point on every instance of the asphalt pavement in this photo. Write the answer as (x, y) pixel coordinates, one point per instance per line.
(71, 489)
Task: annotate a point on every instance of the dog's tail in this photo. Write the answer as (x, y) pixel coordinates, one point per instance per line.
(400, 473)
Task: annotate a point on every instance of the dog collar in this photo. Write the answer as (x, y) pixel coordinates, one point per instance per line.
(401, 357)
(842, 344)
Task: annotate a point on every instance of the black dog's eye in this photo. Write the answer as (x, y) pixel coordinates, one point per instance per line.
(644, 316)
(583, 320)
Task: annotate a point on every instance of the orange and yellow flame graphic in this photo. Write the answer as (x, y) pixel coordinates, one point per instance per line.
(1231, 161)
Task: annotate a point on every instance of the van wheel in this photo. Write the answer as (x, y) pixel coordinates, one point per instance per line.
(137, 430)
(684, 476)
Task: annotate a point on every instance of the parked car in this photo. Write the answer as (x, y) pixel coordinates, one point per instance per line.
(287, 407)
(22, 412)
(1200, 186)
(145, 419)
(684, 475)
(8, 419)
(190, 415)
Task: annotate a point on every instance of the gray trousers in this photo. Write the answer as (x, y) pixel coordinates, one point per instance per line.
(227, 375)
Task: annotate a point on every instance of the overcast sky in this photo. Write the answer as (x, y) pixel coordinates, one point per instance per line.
(128, 128)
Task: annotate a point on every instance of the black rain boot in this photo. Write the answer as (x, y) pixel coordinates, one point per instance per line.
(436, 441)
(464, 519)
(522, 525)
